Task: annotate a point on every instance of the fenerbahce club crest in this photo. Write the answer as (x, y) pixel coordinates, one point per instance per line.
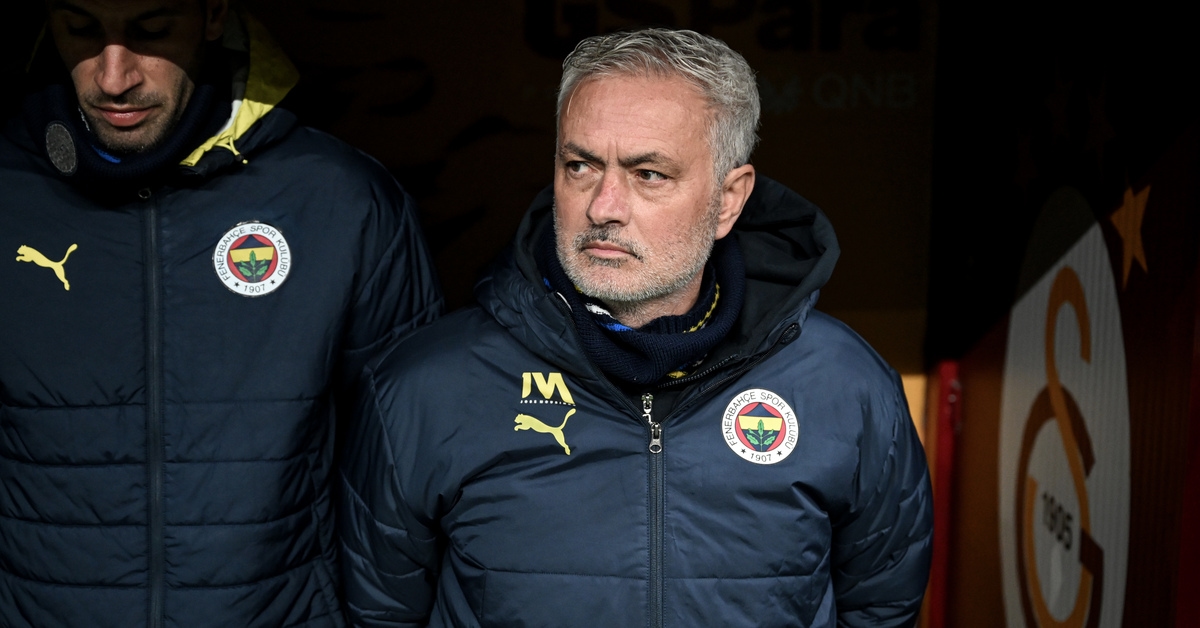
(759, 426)
(252, 259)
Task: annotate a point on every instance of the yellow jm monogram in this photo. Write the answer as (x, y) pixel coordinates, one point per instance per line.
(30, 254)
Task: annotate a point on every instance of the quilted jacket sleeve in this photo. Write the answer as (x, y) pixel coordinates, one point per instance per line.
(881, 551)
(398, 289)
(385, 553)
(389, 551)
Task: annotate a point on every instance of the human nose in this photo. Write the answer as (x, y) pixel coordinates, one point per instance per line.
(118, 72)
(610, 203)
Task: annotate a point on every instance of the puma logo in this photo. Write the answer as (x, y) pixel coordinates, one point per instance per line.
(526, 422)
(30, 254)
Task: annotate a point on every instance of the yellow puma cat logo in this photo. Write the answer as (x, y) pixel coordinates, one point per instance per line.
(526, 422)
(30, 254)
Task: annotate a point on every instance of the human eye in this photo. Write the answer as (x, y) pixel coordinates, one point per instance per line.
(81, 26)
(650, 176)
(576, 167)
(151, 29)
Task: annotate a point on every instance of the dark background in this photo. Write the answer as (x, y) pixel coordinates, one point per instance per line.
(1033, 96)
(931, 132)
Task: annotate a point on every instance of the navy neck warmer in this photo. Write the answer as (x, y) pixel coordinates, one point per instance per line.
(57, 126)
(666, 347)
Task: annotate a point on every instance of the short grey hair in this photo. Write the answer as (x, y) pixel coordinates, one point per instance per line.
(721, 75)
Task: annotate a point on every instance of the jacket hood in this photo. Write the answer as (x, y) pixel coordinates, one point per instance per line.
(789, 248)
(260, 82)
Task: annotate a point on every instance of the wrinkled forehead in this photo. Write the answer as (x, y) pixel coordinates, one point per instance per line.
(642, 72)
(702, 105)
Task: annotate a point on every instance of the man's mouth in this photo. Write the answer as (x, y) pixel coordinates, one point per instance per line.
(600, 248)
(124, 117)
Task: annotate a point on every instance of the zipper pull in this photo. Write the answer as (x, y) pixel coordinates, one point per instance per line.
(655, 427)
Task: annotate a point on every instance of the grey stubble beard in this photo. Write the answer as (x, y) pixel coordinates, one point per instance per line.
(624, 303)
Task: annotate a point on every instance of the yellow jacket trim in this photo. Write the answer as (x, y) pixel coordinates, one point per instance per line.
(271, 77)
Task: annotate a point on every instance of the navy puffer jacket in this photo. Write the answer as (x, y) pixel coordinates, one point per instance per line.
(496, 478)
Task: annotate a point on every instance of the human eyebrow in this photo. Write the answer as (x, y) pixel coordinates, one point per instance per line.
(652, 157)
(79, 23)
(68, 7)
(154, 24)
(63, 5)
(571, 148)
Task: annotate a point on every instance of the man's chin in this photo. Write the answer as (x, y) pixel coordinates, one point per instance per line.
(602, 262)
(615, 291)
(125, 143)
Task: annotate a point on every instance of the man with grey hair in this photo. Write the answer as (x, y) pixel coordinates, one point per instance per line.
(643, 421)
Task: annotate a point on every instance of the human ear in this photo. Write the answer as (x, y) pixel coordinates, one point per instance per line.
(735, 190)
(215, 12)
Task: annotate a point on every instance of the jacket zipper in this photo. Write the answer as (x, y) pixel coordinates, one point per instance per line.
(655, 427)
(656, 512)
(657, 484)
(155, 453)
(656, 479)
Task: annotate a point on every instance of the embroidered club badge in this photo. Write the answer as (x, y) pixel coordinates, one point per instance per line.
(252, 259)
(759, 426)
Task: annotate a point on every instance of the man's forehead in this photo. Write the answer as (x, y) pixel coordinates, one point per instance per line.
(642, 113)
(127, 9)
(679, 84)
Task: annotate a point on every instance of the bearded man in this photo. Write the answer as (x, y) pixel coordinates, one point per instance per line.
(197, 282)
(643, 421)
